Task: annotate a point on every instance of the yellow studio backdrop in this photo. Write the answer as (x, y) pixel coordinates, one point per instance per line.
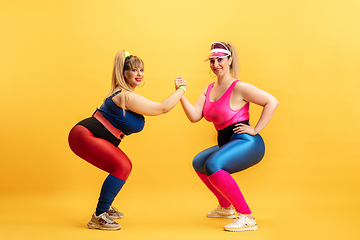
(55, 69)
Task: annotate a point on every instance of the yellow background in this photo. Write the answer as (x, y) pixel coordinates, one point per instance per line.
(55, 69)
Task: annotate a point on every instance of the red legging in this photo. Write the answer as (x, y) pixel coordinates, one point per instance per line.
(99, 152)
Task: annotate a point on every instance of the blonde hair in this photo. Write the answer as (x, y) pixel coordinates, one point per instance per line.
(234, 67)
(118, 81)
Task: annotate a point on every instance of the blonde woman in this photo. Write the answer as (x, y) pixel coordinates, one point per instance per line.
(225, 103)
(96, 139)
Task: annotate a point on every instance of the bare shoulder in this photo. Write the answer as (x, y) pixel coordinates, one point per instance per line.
(205, 89)
(243, 87)
(242, 84)
(117, 99)
(132, 94)
(130, 97)
(250, 93)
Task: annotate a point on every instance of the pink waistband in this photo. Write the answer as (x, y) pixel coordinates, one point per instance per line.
(116, 132)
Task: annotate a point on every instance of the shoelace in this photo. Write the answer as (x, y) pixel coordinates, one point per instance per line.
(216, 209)
(231, 207)
(226, 209)
(113, 209)
(108, 219)
(241, 219)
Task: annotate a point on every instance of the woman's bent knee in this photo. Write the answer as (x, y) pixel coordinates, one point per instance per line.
(122, 171)
(198, 165)
(212, 166)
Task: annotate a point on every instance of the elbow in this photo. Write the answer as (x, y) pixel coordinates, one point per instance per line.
(194, 119)
(272, 103)
(165, 110)
(166, 107)
(276, 102)
(158, 112)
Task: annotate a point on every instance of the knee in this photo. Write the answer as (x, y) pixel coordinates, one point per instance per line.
(212, 167)
(198, 165)
(123, 170)
(127, 169)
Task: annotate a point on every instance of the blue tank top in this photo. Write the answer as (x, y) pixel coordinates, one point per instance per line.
(130, 123)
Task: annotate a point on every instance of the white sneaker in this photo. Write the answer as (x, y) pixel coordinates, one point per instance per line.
(242, 223)
(114, 213)
(221, 212)
(103, 222)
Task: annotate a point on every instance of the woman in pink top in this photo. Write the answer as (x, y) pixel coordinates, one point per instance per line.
(225, 103)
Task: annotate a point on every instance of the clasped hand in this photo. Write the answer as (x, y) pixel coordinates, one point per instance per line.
(180, 81)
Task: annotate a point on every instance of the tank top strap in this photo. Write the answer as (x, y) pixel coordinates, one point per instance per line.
(227, 94)
(225, 98)
(232, 86)
(115, 93)
(211, 85)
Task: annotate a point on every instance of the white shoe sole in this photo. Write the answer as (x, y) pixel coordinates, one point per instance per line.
(241, 229)
(116, 217)
(227, 217)
(94, 226)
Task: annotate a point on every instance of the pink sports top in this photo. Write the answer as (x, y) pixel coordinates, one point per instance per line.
(220, 112)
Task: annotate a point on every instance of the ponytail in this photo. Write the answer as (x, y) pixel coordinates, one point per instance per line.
(234, 67)
(118, 81)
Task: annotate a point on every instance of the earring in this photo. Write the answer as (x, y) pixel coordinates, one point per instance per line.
(143, 83)
(210, 74)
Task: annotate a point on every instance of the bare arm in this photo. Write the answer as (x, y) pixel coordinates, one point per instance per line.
(259, 97)
(142, 105)
(194, 113)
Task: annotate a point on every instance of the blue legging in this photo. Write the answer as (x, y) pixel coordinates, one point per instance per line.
(240, 153)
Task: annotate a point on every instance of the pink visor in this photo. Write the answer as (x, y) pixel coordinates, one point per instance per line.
(218, 49)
